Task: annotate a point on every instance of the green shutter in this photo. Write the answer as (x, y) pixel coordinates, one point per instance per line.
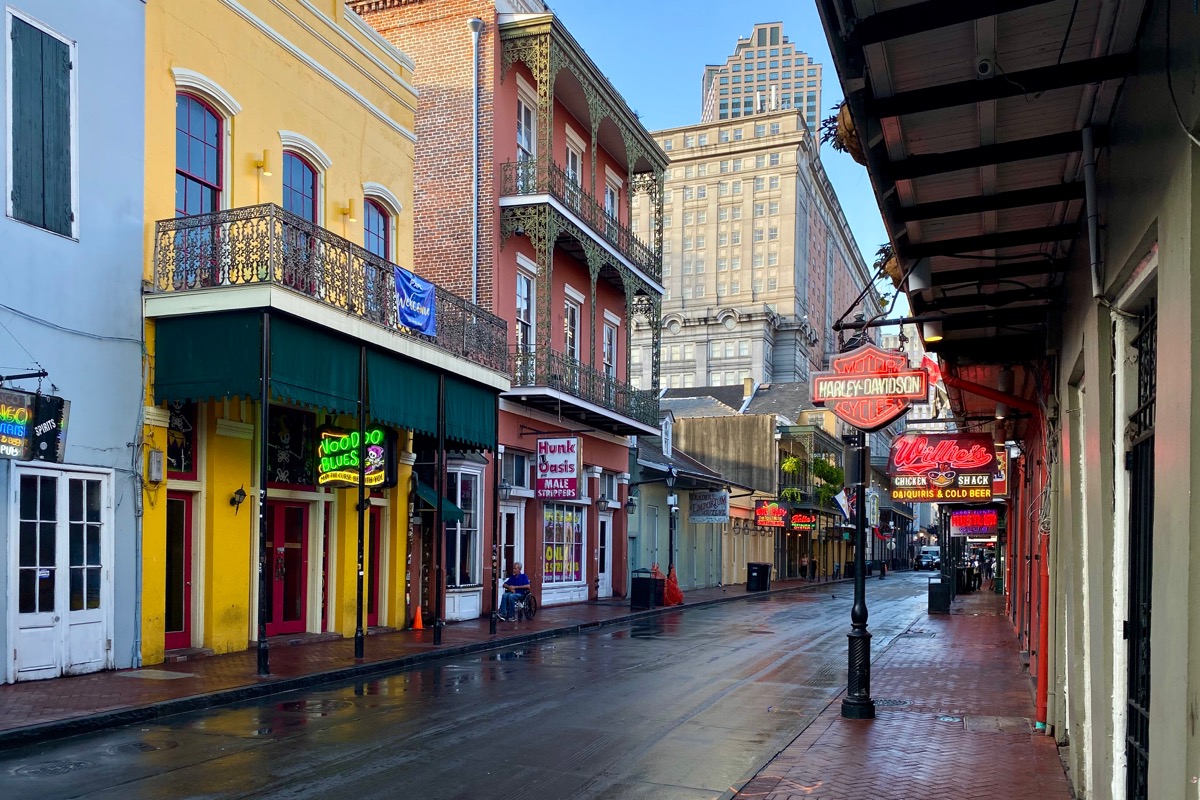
(41, 107)
(27, 180)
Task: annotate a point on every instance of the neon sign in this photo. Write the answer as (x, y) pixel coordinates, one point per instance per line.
(942, 467)
(870, 388)
(799, 521)
(339, 453)
(974, 522)
(16, 416)
(769, 514)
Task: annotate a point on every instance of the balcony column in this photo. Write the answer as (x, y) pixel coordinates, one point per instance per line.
(595, 260)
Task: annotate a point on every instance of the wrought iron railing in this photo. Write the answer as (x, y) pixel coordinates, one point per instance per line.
(264, 244)
(544, 367)
(543, 176)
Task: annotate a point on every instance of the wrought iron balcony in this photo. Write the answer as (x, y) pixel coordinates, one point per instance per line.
(548, 369)
(264, 244)
(543, 176)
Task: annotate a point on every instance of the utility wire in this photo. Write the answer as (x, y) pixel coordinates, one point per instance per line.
(64, 329)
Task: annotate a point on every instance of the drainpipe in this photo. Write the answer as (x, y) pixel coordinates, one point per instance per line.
(476, 25)
(1093, 212)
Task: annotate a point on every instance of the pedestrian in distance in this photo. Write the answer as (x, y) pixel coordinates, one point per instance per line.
(515, 585)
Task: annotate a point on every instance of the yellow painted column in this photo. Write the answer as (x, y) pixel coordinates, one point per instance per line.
(397, 603)
(154, 541)
(229, 532)
(344, 562)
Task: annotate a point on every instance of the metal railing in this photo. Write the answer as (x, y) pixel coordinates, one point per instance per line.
(264, 244)
(555, 370)
(543, 176)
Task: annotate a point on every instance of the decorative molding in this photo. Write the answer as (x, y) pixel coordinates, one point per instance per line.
(408, 459)
(359, 24)
(622, 478)
(593, 471)
(611, 318)
(526, 263)
(187, 79)
(365, 28)
(235, 430)
(613, 177)
(156, 417)
(575, 139)
(527, 93)
(573, 293)
(319, 68)
(377, 191)
(305, 147)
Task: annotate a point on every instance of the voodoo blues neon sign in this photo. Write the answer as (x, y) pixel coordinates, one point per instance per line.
(339, 452)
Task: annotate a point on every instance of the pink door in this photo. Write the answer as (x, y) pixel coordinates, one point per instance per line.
(178, 610)
(287, 545)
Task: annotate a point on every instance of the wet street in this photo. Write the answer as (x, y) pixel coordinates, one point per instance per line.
(683, 705)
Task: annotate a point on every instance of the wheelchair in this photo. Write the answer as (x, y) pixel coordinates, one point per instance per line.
(526, 605)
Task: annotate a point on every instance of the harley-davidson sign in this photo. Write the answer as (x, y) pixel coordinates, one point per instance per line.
(870, 388)
(944, 467)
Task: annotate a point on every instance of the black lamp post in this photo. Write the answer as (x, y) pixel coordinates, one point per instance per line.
(670, 481)
(857, 704)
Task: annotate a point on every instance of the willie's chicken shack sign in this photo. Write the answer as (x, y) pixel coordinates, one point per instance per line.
(870, 388)
(942, 468)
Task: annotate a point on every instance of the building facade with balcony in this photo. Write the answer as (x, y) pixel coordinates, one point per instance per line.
(557, 156)
(70, 264)
(292, 353)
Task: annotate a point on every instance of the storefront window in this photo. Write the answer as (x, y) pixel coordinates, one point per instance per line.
(563, 540)
(462, 538)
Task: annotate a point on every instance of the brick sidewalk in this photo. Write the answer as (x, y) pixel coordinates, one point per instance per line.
(965, 731)
(40, 710)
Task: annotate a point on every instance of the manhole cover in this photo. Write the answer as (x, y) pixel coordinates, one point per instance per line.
(142, 747)
(946, 718)
(53, 768)
(887, 702)
(320, 707)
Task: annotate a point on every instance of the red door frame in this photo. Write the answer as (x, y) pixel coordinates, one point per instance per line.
(176, 640)
(277, 510)
(375, 532)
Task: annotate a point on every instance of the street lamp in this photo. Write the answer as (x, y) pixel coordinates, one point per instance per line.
(857, 703)
(505, 490)
(670, 481)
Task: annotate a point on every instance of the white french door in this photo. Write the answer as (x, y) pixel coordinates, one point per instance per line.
(604, 543)
(511, 544)
(60, 572)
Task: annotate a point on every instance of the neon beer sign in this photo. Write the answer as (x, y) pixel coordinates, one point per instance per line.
(870, 388)
(16, 417)
(949, 467)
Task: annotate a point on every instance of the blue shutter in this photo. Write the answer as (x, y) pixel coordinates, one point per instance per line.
(41, 92)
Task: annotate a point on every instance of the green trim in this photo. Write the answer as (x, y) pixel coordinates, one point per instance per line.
(304, 358)
(402, 393)
(207, 355)
(450, 512)
(470, 413)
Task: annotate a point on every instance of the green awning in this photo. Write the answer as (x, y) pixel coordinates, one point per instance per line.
(470, 413)
(402, 393)
(204, 356)
(309, 367)
(450, 512)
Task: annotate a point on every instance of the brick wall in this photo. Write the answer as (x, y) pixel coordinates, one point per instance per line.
(435, 35)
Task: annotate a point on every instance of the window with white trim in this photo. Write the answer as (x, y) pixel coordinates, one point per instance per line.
(563, 533)
(462, 537)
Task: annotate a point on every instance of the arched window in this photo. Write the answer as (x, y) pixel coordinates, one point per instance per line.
(198, 157)
(299, 187)
(377, 229)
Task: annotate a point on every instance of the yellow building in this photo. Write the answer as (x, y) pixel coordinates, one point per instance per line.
(279, 183)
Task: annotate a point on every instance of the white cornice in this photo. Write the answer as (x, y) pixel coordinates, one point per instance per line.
(212, 91)
(306, 147)
(380, 192)
(319, 68)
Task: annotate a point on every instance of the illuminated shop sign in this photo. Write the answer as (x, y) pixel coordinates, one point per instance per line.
(944, 467)
(802, 521)
(338, 454)
(1000, 476)
(870, 388)
(33, 427)
(974, 522)
(769, 514)
(558, 468)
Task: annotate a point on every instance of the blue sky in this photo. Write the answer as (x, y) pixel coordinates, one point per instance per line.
(654, 52)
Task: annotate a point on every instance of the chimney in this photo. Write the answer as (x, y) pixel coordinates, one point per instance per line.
(747, 387)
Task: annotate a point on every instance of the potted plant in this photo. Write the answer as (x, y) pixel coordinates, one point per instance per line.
(839, 132)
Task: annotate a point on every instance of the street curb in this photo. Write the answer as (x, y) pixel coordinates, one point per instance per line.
(60, 729)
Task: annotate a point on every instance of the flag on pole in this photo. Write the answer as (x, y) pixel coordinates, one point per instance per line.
(843, 502)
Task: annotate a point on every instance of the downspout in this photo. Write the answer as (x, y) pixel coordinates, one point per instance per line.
(476, 26)
(1093, 212)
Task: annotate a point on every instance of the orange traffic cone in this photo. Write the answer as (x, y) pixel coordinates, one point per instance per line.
(417, 626)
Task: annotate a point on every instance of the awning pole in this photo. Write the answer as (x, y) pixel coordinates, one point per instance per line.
(439, 535)
(359, 642)
(264, 420)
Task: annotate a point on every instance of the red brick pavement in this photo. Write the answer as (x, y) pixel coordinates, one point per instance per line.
(38, 710)
(966, 733)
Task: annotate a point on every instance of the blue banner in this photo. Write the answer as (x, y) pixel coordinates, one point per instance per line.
(415, 303)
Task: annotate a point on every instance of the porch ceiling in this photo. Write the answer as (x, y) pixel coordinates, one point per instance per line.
(970, 115)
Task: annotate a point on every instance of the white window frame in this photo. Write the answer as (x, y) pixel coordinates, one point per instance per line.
(10, 14)
(527, 271)
(526, 101)
(455, 472)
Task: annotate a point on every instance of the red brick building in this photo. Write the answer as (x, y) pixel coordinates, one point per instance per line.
(559, 157)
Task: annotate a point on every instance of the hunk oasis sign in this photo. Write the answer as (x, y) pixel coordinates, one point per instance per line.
(558, 468)
(944, 467)
(870, 388)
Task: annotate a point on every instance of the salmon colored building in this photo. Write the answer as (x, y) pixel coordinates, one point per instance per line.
(510, 103)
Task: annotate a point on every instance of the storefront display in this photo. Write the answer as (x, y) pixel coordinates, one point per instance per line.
(563, 542)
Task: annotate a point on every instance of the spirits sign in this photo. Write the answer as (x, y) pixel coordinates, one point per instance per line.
(558, 468)
(870, 388)
(946, 467)
(33, 427)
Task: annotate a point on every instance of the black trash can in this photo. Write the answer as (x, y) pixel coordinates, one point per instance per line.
(758, 576)
(848, 569)
(642, 589)
(939, 596)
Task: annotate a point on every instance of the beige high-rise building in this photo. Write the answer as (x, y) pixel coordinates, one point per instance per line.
(765, 73)
(758, 259)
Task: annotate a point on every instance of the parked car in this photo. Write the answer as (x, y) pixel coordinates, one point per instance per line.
(928, 561)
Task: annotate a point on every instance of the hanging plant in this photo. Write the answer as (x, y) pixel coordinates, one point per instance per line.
(790, 465)
(832, 478)
(838, 131)
(792, 495)
(887, 263)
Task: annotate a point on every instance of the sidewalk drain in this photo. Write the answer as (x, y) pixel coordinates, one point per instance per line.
(894, 703)
(53, 768)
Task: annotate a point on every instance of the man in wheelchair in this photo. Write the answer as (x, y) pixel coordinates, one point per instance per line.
(516, 594)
